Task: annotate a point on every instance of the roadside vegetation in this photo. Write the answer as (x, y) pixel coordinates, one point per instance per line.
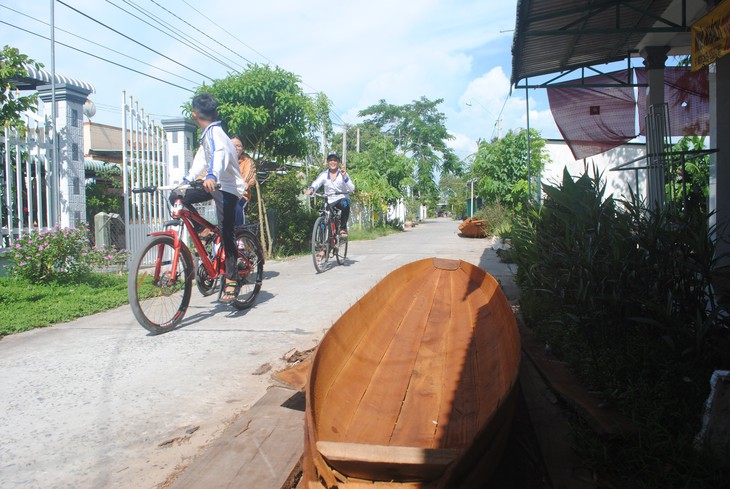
(625, 296)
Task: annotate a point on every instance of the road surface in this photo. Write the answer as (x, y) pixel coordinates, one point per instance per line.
(98, 402)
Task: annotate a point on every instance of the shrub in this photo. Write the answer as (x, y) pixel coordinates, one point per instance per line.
(59, 254)
(624, 295)
(497, 219)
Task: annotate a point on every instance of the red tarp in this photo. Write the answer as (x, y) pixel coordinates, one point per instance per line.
(594, 120)
(687, 95)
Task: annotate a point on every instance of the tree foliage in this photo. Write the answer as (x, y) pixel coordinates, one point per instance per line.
(12, 104)
(276, 120)
(268, 109)
(418, 130)
(502, 170)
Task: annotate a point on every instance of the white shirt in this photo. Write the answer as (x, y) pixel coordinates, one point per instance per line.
(217, 156)
(335, 188)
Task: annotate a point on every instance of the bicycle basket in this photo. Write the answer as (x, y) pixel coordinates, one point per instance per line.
(252, 227)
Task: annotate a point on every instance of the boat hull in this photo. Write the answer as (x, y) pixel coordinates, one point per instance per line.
(414, 386)
(472, 228)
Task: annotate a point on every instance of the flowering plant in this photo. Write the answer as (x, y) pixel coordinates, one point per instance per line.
(59, 253)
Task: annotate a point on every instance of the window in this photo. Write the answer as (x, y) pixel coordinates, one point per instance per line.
(175, 161)
(74, 117)
(187, 143)
(174, 137)
(74, 151)
(76, 186)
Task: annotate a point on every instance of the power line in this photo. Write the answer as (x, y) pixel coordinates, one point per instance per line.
(99, 57)
(133, 40)
(201, 32)
(171, 32)
(95, 43)
(221, 28)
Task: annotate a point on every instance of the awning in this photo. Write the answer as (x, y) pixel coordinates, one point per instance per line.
(553, 36)
(39, 76)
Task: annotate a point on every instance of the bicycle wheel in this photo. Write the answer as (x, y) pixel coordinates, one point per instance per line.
(341, 250)
(205, 284)
(320, 244)
(250, 265)
(158, 297)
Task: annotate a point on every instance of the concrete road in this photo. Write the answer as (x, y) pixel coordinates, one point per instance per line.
(99, 403)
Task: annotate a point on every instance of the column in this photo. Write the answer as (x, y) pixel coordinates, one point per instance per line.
(720, 161)
(180, 134)
(70, 179)
(655, 58)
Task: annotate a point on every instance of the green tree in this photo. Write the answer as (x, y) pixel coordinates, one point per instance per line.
(454, 193)
(272, 114)
(501, 168)
(419, 132)
(12, 104)
(688, 185)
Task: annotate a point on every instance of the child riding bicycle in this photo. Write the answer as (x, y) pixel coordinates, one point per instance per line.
(337, 184)
(217, 156)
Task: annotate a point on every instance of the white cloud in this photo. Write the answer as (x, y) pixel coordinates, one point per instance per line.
(356, 53)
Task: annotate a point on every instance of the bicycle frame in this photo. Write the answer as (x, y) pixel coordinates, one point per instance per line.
(182, 216)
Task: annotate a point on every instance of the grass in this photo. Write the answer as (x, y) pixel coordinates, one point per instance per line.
(371, 233)
(25, 306)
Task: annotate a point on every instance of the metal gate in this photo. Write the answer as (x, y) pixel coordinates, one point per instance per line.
(25, 179)
(144, 153)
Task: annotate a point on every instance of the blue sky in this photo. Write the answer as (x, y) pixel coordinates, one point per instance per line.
(356, 53)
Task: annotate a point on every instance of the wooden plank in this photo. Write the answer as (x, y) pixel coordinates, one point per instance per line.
(552, 430)
(387, 453)
(603, 419)
(458, 415)
(345, 398)
(387, 462)
(416, 425)
(255, 451)
(380, 406)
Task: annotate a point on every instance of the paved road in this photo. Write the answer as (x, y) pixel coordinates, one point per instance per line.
(99, 403)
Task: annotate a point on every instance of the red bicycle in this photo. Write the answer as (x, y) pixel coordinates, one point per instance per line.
(162, 271)
(326, 239)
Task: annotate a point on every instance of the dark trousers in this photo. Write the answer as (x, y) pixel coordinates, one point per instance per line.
(226, 205)
(227, 222)
(344, 206)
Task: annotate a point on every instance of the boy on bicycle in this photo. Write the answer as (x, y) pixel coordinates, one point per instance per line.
(217, 158)
(337, 185)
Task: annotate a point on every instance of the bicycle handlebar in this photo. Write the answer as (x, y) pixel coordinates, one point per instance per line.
(318, 194)
(184, 185)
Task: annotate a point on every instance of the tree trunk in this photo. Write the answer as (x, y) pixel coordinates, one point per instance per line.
(262, 218)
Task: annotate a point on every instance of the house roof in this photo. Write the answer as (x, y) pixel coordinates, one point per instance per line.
(553, 36)
(38, 76)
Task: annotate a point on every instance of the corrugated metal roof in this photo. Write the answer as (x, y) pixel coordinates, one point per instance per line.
(44, 77)
(553, 36)
(98, 165)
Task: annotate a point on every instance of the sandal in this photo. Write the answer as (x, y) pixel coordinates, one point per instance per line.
(230, 292)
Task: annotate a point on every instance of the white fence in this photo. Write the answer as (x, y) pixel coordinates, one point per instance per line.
(26, 180)
(144, 151)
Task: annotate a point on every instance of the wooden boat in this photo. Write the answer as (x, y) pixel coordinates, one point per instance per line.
(472, 228)
(414, 386)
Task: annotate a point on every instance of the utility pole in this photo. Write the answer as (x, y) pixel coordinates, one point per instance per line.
(344, 146)
(324, 144)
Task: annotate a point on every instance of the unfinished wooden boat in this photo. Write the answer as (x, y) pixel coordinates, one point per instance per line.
(472, 228)
(414, 386)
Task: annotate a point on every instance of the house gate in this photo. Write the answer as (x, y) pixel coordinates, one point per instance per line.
(25, 179)
(144, 153)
